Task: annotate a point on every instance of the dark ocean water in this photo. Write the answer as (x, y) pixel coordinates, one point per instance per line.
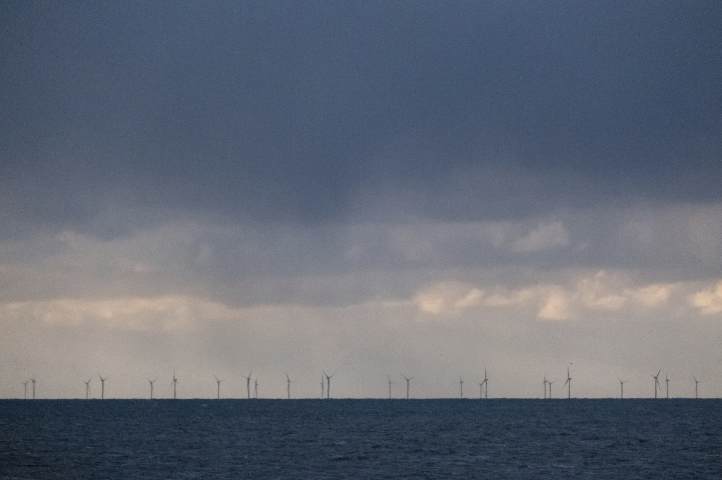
(360, 439)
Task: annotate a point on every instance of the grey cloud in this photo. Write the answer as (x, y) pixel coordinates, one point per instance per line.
(287, 112)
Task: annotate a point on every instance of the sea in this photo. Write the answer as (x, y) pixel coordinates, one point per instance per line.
(375, 439)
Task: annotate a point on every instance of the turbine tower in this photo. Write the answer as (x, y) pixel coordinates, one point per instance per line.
(248, 383)
(545, 386)
(550, 388)
(151, 386)
(102, 387)
(288, 385)
(26, 388)
(461, 387)
(219, 386)
(328, 387)
(87, 388)
(321, 387)
(407, 385)
(695, 386)
(656, 382)
(667, 380)
(621, 384)
(569, 381)
(175, 382)
(33, 380)
(256, 388)
(486, 385)
(389, 386)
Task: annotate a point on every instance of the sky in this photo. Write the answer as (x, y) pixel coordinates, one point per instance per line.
(368, 189)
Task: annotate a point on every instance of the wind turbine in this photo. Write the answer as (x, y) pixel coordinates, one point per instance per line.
(695, 386)
(26, 389)
(102, 386)
(621, 384)
(288, 385)
(256, 387)
(569, 381)
(321, 387)
(175, 382)
(33, 380)
(550, 387)
(486, 385)
(151, 386)
(219, 387)
(656, 382)
(248, 383)
(407, 385)
(667, 380)
(461, 387)
(545, 386)
(389, 386)
(328, 388)
(87, 388)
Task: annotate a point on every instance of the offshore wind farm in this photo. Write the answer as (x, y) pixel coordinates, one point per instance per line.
(248, 239)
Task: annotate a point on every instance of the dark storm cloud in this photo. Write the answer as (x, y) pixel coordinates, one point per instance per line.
(302, 110)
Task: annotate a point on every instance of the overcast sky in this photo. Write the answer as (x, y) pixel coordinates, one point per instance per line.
(366, 188)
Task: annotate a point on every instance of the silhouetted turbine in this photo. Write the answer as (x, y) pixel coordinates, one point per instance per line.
(33, 380)
(328, 387)
(256, 388)
(87, 388)
(621, 384)
(389, 385)
(288, 385)
(486, 385)
(695, 386)
(545, 386)
(407, 385)
(219, 386)
(569, 381)
(248, 383)
(26, 389)
(667, 380)
(151, 386)
(461, 387)
(175, 382)
(656, 382)
(102, 386)
(550, 387)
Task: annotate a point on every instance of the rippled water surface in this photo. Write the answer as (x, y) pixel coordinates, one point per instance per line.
(360, 439)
